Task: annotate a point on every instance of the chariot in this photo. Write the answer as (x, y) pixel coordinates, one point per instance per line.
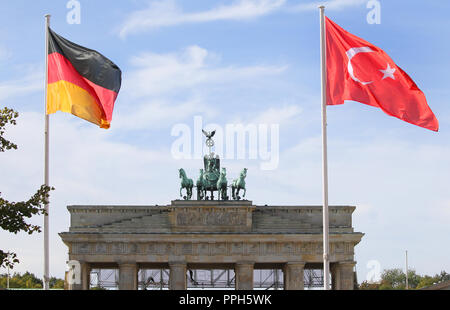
(212, 178)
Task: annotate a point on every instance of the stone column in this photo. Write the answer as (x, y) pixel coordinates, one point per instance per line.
(244, 275)
(128, 276)
(294, 276)
(177, 277)
(85, 276)
(342, 275)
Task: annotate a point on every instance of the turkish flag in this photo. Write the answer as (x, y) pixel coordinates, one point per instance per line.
(360, 71)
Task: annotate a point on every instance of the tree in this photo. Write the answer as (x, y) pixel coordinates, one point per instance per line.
(56, 283)
(426, 281)
(13, 215)
(392, 279)
(369, 286)
(395, 279)
(443, 276)
(28, 281)
(438, 278)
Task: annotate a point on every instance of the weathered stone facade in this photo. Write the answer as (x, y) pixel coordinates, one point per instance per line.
(216, 234)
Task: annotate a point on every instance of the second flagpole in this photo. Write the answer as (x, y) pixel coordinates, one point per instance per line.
(46, 165)
(323, 69)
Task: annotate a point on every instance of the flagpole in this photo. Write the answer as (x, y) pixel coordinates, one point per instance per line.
(46, 173)
(406, 269)
(326, 262)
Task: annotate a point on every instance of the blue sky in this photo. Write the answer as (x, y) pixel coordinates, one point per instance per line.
(247, 61)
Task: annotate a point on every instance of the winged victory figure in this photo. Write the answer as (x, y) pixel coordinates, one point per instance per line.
(209, 135)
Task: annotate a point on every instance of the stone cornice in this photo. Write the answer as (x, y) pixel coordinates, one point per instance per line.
(204, 237)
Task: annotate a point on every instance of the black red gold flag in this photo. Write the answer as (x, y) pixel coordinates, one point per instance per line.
(81, 81)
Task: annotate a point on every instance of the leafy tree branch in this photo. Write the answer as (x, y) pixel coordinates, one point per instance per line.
(14, 215)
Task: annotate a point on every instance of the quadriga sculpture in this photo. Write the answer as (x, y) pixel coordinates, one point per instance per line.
(212, 178)
(201, 191)
(239, 184)
(222, 185)
(186, 183)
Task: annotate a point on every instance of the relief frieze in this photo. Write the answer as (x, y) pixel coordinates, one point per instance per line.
(209, 248)
(211, 218)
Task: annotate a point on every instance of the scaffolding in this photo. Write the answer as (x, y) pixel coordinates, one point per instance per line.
(104, 279)
(197, 279)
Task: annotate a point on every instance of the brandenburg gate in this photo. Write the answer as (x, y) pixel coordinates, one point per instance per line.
(228, 233)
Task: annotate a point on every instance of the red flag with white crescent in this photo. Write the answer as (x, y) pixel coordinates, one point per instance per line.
(360, 71)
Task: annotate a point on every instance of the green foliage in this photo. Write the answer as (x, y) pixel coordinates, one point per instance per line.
(369, 286)
(27, 280)
(7, 116)
(395, 279)
(56, 283)
(13, 215)
(97, 288)
(392, 279)
(428, 281)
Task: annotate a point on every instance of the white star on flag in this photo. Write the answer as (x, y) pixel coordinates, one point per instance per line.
(388, 72)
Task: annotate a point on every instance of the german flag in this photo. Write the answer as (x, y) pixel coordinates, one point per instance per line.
(81, 81)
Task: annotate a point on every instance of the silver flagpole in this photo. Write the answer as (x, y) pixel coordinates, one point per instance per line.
(326, 262)
(406, 264)
(46, 173)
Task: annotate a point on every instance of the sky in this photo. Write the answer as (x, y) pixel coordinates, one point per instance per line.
(233, 62)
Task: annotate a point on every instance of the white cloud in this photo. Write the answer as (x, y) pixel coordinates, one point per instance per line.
(159, 114)
(157, 81)
(167, 13)
(158, 74)
(33, 81)
(279, 115)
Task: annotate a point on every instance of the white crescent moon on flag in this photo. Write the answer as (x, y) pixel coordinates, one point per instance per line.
(352, 53)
